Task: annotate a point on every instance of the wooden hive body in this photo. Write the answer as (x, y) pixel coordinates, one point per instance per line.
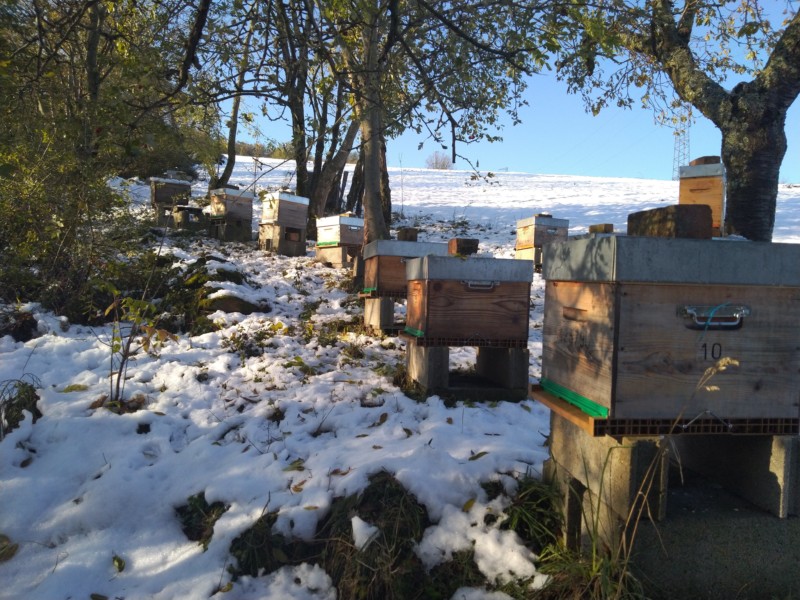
(668, 329)
(232, 204)
(385, 265)
(472, 302)
(286, 210)
(539, 230)
(704, 184)
(340, 231)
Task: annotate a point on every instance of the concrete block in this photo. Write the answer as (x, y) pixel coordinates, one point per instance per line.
(761, 469)
(507, 367)
(378, 313)
(606, 480)
(428, 366)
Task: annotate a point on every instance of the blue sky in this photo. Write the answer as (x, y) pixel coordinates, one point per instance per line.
(557, 136)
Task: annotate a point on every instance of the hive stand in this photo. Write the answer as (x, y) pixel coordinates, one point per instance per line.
(338, 257)
(604, 482)
(379, 315)
(500, 373)
(280, 239)
(189, 218)
(762, 469)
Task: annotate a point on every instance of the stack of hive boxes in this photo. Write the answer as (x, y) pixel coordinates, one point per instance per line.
(480, 302)
(703, 182)
(339, 239)
(534, 233)
(231, 213)
(283, 225)
(165, 194)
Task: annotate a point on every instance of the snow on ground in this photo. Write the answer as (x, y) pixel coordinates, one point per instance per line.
(83, 488)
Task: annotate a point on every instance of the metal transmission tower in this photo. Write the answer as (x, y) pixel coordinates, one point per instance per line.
(680, 156)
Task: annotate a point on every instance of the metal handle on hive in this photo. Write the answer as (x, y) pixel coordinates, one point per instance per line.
(721, 316)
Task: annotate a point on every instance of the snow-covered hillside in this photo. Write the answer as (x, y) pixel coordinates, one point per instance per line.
(285, 427)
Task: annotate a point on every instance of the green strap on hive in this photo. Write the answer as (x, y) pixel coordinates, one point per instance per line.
(369, 290)
(593, 409)
(328, 244)
(414, 332)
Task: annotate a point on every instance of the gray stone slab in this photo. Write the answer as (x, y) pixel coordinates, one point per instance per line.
(666, 260)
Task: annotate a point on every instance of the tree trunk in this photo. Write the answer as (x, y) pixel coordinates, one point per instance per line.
(371, 113)
(752, 152)
(233, 125)
(751, 117)
(356, 193)
(330, 172)
(386, 192)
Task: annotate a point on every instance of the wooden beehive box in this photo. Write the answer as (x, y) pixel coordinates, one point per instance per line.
(385, 265)
(704, 184)
(340, 230)
(651, 333)
(285, 209)
(168, 192)
(232, 204)
(539, 230)
(453, 301)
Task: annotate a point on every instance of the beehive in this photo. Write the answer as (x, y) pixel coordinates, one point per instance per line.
(232, 204)
(284, 209)
(539, 230)
(385, 265)
(340, 230)
(704, 184)
(168, 192)
(287, 241)
(653, 335)
(474, 302)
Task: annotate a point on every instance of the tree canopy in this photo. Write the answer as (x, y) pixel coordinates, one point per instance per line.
(735, 62)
